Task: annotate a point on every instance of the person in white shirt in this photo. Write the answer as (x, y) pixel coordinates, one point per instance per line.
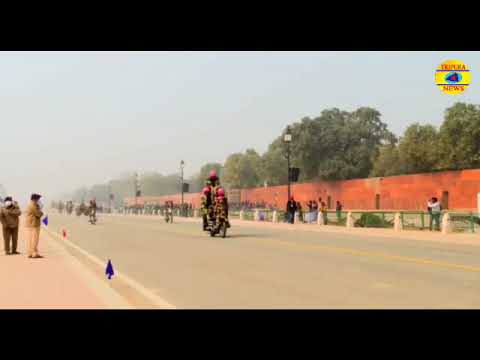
(435, 211)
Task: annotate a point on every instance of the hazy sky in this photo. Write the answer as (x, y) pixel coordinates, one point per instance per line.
(74, 118)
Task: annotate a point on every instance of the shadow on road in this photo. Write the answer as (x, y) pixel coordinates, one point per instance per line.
(239, 236)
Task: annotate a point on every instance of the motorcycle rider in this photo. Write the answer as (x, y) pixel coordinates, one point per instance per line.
(92, 213)
(206, 201)
(221, 208)
(169, 211)
(214, 182)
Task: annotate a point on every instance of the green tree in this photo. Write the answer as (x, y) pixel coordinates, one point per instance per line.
(359, 141)
(155, 184)
(335, 145)
(198, 181)
(387, 162)
(459, 144)
(274, 163)
(231, 171)
(243, 170)
(417, 149)
(250, 167)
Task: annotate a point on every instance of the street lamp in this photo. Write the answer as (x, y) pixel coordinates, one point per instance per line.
(110, 196)
(288, 139)
(136, 189)
(182, 164)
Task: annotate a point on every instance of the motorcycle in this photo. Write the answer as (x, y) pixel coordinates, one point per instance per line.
(217, 229)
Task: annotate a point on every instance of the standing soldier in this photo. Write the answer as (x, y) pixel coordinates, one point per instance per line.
(9, 218)
(32, 223)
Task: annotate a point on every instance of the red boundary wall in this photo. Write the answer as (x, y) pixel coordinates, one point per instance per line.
(406, 192)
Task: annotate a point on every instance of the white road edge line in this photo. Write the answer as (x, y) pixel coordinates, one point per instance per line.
(156, 300)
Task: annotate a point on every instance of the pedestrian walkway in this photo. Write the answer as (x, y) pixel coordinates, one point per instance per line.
(58, 281)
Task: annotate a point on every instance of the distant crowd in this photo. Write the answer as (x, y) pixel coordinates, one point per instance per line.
(185, 210)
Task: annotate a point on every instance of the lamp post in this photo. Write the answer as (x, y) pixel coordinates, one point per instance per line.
(110, 196)
(182, 164)
(288, 139)
(136, 189)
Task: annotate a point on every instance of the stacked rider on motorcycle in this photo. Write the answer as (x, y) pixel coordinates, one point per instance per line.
(214, 202)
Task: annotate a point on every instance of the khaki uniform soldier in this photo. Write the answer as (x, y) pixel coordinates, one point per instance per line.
(33, 215)
(9, 218)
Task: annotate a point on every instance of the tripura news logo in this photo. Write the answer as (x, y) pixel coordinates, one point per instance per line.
(452, 77)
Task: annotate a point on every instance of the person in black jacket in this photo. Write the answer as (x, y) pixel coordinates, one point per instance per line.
(291, 209)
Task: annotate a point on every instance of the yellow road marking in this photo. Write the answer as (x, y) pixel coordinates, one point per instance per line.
(373, 254)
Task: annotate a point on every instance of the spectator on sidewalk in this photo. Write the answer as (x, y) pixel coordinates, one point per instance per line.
(315, 211)
(323, 210)
(291, 209)
(309, 214)
(338, 209)
(435, 211)
(300, 212)
(33, 215)
(9, 218)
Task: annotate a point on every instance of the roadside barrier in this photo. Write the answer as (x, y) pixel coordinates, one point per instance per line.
(448, 221)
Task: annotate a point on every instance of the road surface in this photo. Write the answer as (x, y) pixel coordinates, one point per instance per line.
(268, 268)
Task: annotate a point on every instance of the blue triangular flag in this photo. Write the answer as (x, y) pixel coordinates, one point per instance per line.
(45, 220)
(109, 270)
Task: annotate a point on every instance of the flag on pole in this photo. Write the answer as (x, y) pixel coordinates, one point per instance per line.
(45, 220)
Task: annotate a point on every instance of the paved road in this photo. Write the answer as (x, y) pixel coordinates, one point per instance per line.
(268, 268)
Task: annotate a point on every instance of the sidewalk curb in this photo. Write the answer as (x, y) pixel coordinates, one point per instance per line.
(156, 300)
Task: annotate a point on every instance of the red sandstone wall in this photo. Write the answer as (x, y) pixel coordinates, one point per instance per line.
(407, 192)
